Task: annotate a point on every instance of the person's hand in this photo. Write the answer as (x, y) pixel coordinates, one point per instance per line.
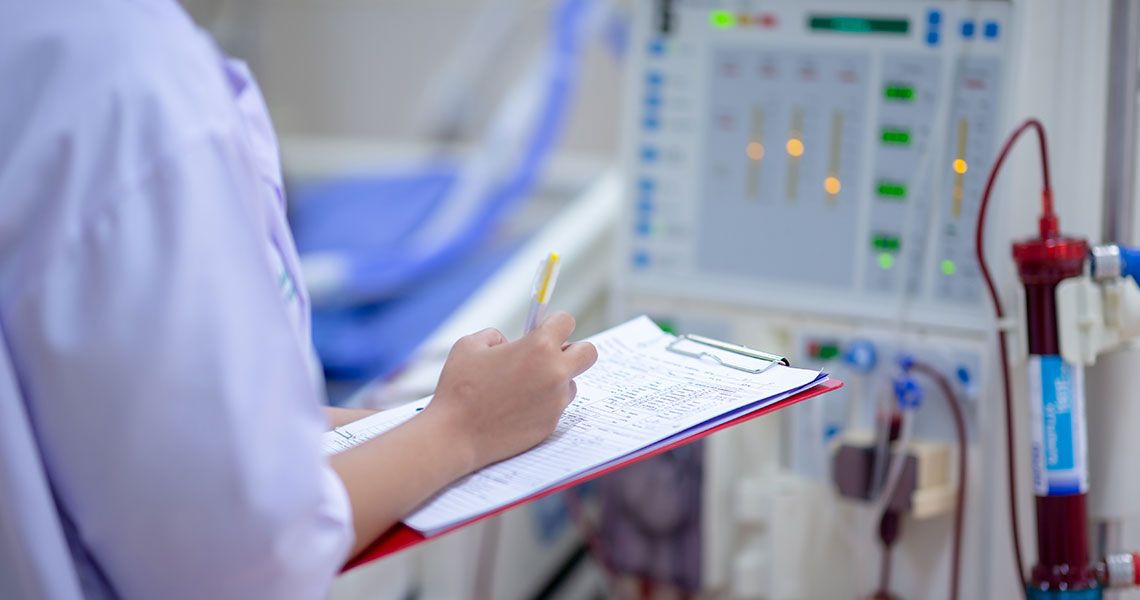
(500, 398)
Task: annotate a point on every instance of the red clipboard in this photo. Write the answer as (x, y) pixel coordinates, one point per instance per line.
(401, 537)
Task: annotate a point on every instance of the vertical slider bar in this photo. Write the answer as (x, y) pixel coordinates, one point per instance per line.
(959, 167)
(795, 151)
(755, 151)
(831, 184)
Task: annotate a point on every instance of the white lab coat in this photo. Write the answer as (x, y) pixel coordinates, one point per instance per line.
(159, 421)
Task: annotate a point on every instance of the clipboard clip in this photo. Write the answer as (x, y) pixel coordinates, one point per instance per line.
(700, 347)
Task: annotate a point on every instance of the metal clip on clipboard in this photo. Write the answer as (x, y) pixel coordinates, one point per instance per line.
(726, 354)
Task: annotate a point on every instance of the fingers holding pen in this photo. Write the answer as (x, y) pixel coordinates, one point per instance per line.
(579, 357)
(555, 329)
(571, 394)
(576, 357)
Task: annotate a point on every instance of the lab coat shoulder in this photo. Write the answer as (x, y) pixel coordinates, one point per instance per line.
(97, 93)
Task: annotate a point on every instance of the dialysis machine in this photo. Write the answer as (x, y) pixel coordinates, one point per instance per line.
(805, 176)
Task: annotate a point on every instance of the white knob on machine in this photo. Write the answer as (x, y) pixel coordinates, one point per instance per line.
(752, 501)
(751, 571)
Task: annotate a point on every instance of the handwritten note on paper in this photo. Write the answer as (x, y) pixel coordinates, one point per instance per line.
(637, 395)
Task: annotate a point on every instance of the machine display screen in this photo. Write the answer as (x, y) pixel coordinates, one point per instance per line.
(852, 24)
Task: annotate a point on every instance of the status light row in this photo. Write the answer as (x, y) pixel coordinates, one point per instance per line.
(725, 19)
(886, 261)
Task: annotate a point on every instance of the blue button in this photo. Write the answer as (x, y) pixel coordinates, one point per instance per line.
(650, 123)
(641, 258)
(652, 100)
(645, 204)
(908, 393)
(657, 47)
(647, 185)
(648, 154)
(934, 16)
(861, 355)
(967, 29)
(643, 228)
(654, 78)
(993, 28)
(963, 375)
(932, 38)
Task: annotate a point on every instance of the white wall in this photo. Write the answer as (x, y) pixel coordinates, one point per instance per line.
(358, 67)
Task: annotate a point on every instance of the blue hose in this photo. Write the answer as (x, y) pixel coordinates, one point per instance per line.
(1130, 262)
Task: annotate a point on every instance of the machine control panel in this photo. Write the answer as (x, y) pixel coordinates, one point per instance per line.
(867, 363)
(804, 155)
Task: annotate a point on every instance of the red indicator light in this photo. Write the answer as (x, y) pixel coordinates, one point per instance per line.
(768, 20)
(975, 84)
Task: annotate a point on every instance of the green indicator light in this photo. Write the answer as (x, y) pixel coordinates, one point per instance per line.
(904, 93)
(948, 267)
(892, 190)
(827, 351)
(886, 260)
(722, 19)
(864, 25)
(896, 137)
(887, 243)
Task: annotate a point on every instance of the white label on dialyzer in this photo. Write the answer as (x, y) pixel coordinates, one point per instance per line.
(1057, 404)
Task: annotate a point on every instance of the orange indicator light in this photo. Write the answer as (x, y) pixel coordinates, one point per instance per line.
(795, 148)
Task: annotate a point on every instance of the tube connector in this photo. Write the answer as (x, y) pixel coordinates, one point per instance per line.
(1113, 261)
(1106, 262)
(1120, 570)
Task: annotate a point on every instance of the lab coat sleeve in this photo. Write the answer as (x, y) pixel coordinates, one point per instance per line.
(171, 396)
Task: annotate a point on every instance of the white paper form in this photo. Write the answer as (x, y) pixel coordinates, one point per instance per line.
(637, 395)
(360, 431)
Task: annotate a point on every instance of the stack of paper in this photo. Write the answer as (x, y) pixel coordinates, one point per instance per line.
(637, 397)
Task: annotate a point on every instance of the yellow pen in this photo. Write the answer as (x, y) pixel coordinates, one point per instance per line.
(542, 289)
